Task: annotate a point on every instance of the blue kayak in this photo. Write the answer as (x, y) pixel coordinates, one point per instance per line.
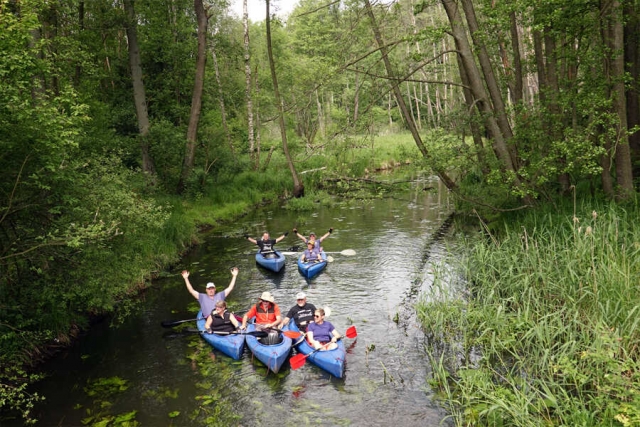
(271, 355)
(231, 345)
(273, 261)
(331, 361)
(312, 269)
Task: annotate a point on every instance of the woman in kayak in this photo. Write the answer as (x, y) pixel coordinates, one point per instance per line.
(321, 334)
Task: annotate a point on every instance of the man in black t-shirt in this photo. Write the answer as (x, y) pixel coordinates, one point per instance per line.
(301, 313)
(266, 244)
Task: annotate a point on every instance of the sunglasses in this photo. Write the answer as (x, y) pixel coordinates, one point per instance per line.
(316, 315)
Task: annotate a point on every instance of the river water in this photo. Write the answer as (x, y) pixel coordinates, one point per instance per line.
(139, 373)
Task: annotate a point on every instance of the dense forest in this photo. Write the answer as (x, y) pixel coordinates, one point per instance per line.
(118, 117)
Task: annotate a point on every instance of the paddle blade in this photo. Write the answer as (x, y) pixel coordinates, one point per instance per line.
(348, 252)
(171, 324)
(330, 258)
(292, 334)
(351, 332)
(297, 361)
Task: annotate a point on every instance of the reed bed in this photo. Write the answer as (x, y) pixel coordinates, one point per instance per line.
(546, 330)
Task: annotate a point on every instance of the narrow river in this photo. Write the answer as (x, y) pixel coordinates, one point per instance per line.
(172, 378)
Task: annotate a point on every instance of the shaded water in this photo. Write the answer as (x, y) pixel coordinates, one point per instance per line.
(178, 380)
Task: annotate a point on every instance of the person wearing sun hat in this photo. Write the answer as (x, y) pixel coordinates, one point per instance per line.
(209, 299)
(301, 313)
(266, 312)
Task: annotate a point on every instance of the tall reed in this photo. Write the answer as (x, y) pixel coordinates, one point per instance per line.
(547, 332)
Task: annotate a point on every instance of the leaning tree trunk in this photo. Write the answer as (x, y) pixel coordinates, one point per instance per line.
(196, 97)
(298, 187)
(448, 182)
(139, 96)
(476, 85)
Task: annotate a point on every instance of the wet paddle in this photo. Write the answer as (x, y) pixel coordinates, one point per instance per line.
(300, 359)
(198, 331)
(346, 252)
(170, 324)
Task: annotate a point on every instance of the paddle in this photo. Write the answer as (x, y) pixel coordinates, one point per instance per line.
(346, 252)
(198, 331)
(169, 324)
(252, 333)
(299, 359)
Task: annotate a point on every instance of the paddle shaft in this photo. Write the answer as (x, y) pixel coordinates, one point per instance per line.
(168, 324)
(171, 324)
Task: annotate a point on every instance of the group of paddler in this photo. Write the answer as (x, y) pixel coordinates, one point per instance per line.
(313, 250)
(266, 314)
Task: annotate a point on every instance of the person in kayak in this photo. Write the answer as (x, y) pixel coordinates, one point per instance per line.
(266, 244)
(312, 238)
(266, 312)
(221, 320)
(321, 334)
(209, 299)
(301, 313)
(311, 254)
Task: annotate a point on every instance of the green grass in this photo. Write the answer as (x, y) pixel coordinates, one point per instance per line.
(547, 331)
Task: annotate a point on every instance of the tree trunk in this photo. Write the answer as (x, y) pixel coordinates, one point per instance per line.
(490, 79)
(196, 98)
(247, 91)
(624, 176)
(517, 63)
(257, 133)
(139, 95)
(223, 111)
(632, 61)
(553, 117)
(298, 187)
(448, 182)
(476, 84)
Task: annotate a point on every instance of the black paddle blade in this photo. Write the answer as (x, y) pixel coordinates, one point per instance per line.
(171, 324)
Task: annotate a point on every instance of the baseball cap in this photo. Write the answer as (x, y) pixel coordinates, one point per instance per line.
(210, 285)
(301, 295)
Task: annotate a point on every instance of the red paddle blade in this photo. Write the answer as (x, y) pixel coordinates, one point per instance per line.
(297, 361)
(292, 334)
(351, 332)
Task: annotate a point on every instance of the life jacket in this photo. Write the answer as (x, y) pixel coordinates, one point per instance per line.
(222, 323)
(265, 316)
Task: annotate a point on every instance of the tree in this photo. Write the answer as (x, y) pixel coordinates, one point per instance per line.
(196, 97)
(140, 99)
(298, 187)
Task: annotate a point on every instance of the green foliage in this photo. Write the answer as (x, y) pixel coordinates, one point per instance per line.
(14, 394)
(548, 326)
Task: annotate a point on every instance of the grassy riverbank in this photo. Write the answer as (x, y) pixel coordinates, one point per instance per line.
(545, 330)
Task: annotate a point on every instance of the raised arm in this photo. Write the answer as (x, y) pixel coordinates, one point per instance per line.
(185, 276)
(252, 240)
(286, 233)
(300, 236)
(234, 273)
(326, 234)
